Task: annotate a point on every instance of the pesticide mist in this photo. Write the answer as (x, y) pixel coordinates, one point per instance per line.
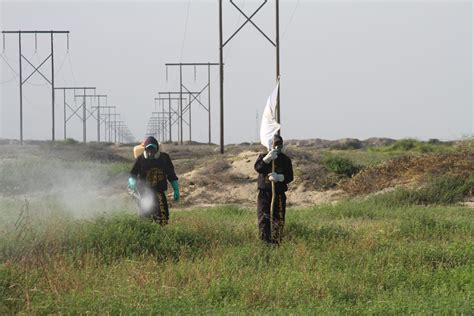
(64, 182)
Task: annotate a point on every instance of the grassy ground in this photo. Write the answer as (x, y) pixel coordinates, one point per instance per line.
(409, 251)
(353, 257)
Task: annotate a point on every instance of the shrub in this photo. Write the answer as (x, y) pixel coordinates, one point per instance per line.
(341, 166)
(70, 141)
(434, 141)
(405, 144)
(442, 190)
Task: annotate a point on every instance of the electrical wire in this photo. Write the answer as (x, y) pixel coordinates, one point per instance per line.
(4, 57)
(185, 31)
(291, 19)
(61, 65)
(71, 69)
(7, 81)
(11, 68)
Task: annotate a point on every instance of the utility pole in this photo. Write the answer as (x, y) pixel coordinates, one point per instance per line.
(207, 86)
(162, 114)
(98, 107)
(85, 117)
(68, 106)
(153, 127)
(221, 77)
(222, 44)
(108, 122)
(162, 120)
(119, 127)
(182, 110)
(114, 125)
(37, 70)
(171, 110)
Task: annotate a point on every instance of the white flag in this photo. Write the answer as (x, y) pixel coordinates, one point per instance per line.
(269, 126)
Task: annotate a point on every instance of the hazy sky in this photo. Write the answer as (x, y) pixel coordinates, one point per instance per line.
(349, 68)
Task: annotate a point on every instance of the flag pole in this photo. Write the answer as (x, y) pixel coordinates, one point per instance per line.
(277, 108)
(272, 204)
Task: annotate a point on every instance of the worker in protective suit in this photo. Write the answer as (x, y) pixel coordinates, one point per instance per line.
(271, 222)
(148, 179)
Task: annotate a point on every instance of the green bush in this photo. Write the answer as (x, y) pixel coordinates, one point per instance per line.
(434, 141)
(341, 166)
(70, 141)
(442, 191)
(405, 144)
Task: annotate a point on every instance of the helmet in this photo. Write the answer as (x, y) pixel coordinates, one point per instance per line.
(151, 141)
(151, 147)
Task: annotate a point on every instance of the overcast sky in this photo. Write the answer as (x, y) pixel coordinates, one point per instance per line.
(349, 68)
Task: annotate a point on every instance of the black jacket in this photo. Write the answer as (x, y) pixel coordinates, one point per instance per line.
(154, 172)
(282, 165)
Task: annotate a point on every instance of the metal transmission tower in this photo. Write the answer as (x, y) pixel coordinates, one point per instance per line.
(119, 126)
(107, 120)
(153, 127)
(75, 110)
(113, 126)
(127, 135)
(195, 98)
(222, 44)
(36, 70)
(97, 108)
(193, 95)
(164, 118)
(86, 113)
(173, 115)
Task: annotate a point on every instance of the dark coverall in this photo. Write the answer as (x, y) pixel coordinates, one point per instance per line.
(152, 175)
(266, 228)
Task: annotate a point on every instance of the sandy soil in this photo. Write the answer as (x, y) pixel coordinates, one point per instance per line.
(239, 186)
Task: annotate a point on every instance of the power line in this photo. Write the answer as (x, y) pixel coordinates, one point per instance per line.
(8, 64)
(291, 19)
(11, 79)
(70, 68)
(185, 31)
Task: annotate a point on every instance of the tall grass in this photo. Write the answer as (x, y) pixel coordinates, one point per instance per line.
(349, 258)
(443, 190)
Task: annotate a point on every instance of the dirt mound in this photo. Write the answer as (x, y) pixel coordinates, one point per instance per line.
(409, 170)
(221, 180)
(231, 179)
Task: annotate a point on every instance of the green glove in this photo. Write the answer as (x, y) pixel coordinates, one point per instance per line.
(175, 186)
(132, 183)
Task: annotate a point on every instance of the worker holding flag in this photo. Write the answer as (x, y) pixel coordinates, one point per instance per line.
(275, 172)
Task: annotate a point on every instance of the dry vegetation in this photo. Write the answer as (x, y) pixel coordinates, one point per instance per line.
(410, 170)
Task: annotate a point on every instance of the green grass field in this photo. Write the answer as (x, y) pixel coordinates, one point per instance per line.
(353, 257)
(407, 251)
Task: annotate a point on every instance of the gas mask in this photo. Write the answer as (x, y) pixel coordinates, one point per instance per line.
(277, 143)
(151, 152)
